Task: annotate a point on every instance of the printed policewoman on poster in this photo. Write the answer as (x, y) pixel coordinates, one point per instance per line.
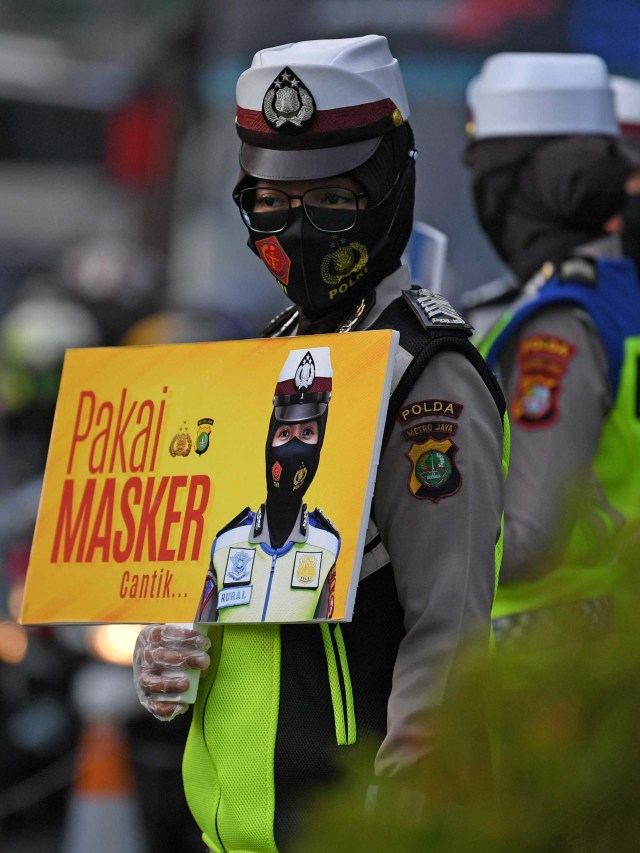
(278, 564)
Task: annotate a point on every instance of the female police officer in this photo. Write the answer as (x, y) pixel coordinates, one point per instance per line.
(326, 193)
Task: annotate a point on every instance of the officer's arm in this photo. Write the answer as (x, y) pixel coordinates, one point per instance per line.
(555, 430)
(442, 549)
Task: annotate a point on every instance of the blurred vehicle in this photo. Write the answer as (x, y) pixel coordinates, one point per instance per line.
(90, 136)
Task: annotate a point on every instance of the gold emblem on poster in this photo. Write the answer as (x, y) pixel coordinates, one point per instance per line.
(307, 568)
(300, 476)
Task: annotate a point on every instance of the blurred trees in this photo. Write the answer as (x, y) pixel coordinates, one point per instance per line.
(564, 725)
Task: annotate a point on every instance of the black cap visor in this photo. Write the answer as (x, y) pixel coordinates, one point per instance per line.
(308, 164)
(299, 412)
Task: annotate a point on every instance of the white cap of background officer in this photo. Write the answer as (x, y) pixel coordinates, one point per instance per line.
(542, 94)
(626, 96)
(626, 93)
(547, 172)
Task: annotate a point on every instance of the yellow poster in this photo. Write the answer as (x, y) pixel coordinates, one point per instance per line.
(214, 482)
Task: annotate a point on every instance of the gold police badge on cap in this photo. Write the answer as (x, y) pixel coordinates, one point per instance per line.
(288, 104)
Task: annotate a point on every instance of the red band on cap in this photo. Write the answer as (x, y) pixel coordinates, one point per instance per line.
(324, 121)
(288, 388)
(627, 129)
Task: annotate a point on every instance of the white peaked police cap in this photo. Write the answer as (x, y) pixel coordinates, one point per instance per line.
(626, 97)
(543, 94)
(471, 95)
(304, 386)
(317, 108)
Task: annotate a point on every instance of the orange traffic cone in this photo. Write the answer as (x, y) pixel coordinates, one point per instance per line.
(103, 814)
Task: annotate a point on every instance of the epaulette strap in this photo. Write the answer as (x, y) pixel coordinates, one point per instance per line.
(414, 328)
(434, 312)
(320, 517)
(245, 515)
(281, 323)
(258, 521)
(578, 270)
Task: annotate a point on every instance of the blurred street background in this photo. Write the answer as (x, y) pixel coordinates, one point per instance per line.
(118, 155)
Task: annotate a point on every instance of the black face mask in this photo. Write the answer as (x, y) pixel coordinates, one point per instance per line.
(321, 272)
(539, 198)
(291, 468)
(631, 232)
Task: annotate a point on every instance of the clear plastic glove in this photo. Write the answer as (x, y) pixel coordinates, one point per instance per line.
(162, 656)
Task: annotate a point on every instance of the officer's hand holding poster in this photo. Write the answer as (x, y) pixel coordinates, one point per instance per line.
(219, 482)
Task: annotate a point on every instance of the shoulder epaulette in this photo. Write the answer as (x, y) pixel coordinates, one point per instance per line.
(579, 270)
(318, 519)
(434, 311)
(244, 517)
(281, 323)
(428, 324)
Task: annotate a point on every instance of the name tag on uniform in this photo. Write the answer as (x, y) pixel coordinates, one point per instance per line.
(239, 565)
(234, 597)
(306, 570)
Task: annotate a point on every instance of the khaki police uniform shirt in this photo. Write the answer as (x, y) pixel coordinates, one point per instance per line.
(442, 551)
(550, 472)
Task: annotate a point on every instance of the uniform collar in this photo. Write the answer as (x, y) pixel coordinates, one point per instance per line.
(361, 316)
(373, 303)
(260, 528)
(389, 289)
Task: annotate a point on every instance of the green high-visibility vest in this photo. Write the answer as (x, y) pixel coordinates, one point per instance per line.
(589, 568)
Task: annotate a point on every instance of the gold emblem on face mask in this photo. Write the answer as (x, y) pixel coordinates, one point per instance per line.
(306, 568)
(345, 261)
(300, 476)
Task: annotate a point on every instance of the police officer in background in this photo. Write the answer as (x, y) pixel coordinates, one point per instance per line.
(548, 179)
(326, 193)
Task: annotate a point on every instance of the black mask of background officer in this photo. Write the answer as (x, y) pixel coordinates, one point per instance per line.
(332, 271)
(538, 198)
